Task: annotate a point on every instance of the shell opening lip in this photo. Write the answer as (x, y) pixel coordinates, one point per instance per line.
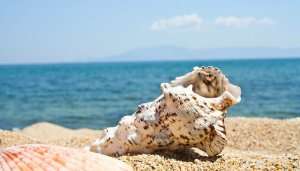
(235, 91)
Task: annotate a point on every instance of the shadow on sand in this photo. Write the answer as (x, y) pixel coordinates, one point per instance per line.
(187, 155)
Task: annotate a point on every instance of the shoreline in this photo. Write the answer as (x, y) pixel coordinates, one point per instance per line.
(253, 143)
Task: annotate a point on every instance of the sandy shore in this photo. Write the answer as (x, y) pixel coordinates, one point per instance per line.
(254, 144)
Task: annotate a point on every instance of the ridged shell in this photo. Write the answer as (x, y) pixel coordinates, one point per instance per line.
(39, 157)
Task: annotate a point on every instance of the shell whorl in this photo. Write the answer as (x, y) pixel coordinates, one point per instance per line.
(207, 82)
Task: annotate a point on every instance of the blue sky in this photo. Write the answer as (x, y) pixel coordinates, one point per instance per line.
(58, 31)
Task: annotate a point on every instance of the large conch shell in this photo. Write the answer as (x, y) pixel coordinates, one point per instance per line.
(189, 113)
(37, 157)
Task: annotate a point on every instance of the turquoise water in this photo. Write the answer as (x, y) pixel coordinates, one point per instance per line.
(97, 95)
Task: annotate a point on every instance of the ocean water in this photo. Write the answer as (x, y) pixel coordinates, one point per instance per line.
(97, 95)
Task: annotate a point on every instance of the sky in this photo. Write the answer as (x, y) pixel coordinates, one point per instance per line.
(74, 30)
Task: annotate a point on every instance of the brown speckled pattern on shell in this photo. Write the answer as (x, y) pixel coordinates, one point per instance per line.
(182, 117)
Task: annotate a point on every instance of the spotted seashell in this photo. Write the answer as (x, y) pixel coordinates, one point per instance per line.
(189, 113)
(39, 157)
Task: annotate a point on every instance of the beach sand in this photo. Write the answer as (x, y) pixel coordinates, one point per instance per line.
(253, 144)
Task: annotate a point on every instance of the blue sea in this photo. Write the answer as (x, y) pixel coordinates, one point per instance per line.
(97, 95)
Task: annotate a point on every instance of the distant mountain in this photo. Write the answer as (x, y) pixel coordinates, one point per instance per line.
(177, 53)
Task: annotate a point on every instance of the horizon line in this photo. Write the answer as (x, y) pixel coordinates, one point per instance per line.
(149, 61)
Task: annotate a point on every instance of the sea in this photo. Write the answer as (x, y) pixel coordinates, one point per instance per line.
(97, 95)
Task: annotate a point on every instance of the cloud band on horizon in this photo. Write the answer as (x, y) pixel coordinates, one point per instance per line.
(192, 21)
(183, 21)
(238, 22)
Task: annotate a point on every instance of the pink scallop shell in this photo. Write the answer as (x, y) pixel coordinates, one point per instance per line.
(39, 157)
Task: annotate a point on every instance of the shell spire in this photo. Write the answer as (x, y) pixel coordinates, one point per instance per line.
(208, 82)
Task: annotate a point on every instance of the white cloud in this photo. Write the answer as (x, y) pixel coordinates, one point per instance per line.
(184, 21)
(235, 21)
